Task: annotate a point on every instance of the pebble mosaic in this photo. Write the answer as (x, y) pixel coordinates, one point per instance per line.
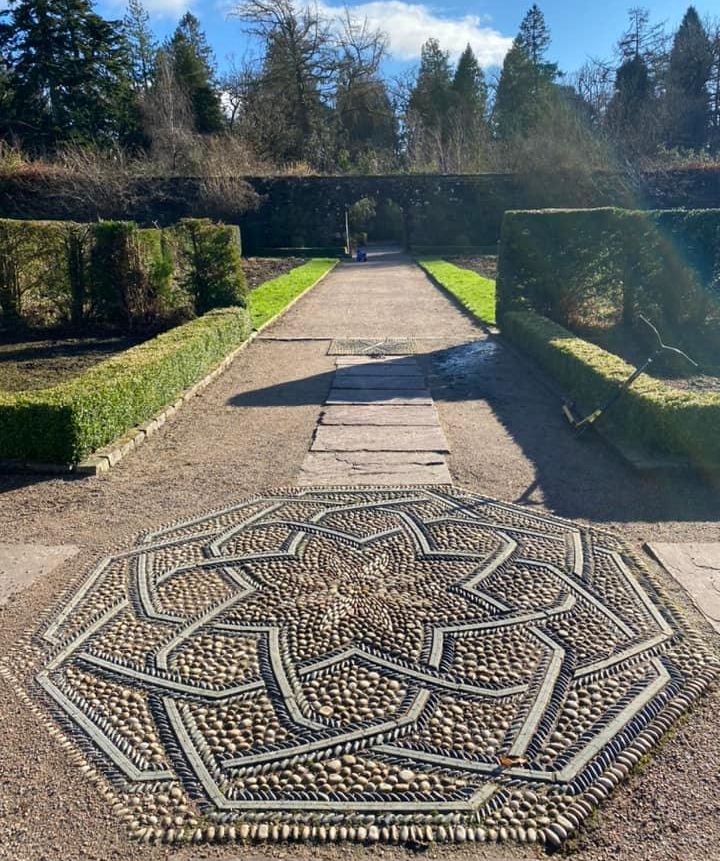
(407, 664)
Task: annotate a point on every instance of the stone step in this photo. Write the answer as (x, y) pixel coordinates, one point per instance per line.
(380, 415)
(363, 438)
(415, 397)
(373, 468)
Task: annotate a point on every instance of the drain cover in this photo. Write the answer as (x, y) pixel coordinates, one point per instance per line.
(372, 347)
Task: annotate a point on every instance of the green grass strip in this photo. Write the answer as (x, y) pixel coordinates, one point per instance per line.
(474, 292)
(270, 298)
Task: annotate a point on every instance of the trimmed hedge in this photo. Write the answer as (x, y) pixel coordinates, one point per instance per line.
(270, 298)
(603, 266)
(131, 274)
(116, 274)
(212, 270)
(473, 291)
(65, 423)
(651, 413)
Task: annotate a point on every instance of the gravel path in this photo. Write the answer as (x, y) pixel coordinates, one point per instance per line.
(251, 430)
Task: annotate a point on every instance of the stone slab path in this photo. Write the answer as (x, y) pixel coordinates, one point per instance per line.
(697, 568)
(383, 427)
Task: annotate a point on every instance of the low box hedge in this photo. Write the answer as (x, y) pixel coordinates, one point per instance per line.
(63, 424)
(651, 413)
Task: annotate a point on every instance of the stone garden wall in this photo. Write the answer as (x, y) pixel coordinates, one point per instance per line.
(310, 211)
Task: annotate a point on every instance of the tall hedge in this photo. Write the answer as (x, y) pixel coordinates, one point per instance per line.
(210, 266)
(131, 274)
(43, 270)
(115, 274)
(65, 423)
(602, 266)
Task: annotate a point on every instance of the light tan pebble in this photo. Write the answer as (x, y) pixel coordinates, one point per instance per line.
(332, 833)
(243, 831)
(211, 833)
(373, 834)
(460, 834)
(361, 833)
(349, 759)
(263, 831)
(385, 787)
(285, 831)
(333, 765)
(343, 833)
(305, 833)
(325, 711)
(404, 834)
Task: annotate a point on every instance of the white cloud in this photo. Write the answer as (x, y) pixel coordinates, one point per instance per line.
(164, 8)
(409, 25)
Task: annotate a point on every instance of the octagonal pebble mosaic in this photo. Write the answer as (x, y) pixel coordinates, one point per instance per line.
(395, 664)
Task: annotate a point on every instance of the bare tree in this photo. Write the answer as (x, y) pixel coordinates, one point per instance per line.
(168, 117)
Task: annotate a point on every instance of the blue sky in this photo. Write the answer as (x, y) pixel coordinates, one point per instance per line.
(579, 29)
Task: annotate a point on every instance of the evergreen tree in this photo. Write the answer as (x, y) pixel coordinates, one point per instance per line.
(192, 62)
(428, 107)
(69, 71)
(142, 46)
(468, 129)
(631, 107)
(526, 81)
(686, 94)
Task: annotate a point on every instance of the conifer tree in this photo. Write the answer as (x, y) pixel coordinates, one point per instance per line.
(142, 46)
(69, 72)
(686, 93)
(428, 107)
(527, 79)
(192, 62)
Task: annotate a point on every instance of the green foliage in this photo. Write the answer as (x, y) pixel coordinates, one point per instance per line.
(67, 422)
(270, 298)
(526, 81)
(114, 274)
(474, 292)
(69, 73)
(192, 64)
(131, 273)
(686, 94)
(42, 271)
(598, 267)
(210, 262)
(665, 419)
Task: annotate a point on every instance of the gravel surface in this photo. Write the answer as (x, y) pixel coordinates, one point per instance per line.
(250, 430)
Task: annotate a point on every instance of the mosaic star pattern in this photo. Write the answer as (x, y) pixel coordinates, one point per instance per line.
(405, 664)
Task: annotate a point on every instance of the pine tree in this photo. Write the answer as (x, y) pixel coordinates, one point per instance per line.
(69, 71)
(192, 61)
(527, 79)
(142, 46)
(686, 94)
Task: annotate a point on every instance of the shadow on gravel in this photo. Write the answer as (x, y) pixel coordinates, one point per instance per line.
(296, 393)
(578, 477)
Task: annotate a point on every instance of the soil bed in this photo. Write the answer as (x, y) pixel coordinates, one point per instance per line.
(27, 365)
(485, 265)
(260, 269)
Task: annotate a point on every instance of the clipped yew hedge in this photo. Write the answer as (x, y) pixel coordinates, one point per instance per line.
(63, 424)
(588, 267)
(651, 413)
(116, 274)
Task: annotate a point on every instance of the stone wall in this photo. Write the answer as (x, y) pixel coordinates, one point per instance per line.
(310, 211)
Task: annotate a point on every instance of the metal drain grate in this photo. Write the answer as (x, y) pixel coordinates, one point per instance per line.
(372, 347)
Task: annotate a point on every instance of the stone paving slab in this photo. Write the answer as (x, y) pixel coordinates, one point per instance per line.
(379, 369)
(696, 567)
(379, 381)
(373, 468)
(393, 438)
(415, 397)
(378, 361)
(22, 564)
(379, 415)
